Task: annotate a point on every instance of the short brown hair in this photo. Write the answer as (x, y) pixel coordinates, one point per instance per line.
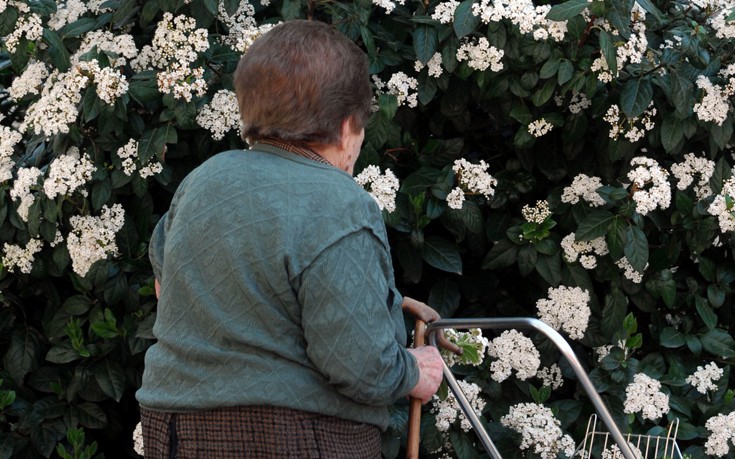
(299, 81)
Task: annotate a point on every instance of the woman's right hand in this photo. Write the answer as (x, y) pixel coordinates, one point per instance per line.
(430, 372)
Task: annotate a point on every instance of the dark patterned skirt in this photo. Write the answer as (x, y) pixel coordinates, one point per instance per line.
(256, 432)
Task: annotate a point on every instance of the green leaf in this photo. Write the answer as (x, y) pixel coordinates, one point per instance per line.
(635, 97)
(550, 68)
(151, 144)
(57, 50)
(616, 237)
(444, 297)
(672, 132)
(124, 13)
(607, 46)
(619, 16)
(715, 295)
(616, 304)
(101, 193)
(636, 248)
(78, 28)
(566, 71)
(567, 10)
(672, 338)
(681, 93)
(521, 113)
(502, 255)
(595, 225)
(706, 313)
(23, 354)
(442, 254)
(7, 21)
(721, 134)
(527, 257)
(425, 43)
(472, 216)
(549, 267)
(91, 416)
(62, 352)
(718, 342)
(464, 20)
(111, 378)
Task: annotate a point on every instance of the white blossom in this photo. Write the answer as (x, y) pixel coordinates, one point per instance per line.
(513, 351)
(9, 138)
(584, 251)
(138, 444)
(67, 173)
(455, 198)
(110, 83)
(691, 166)
(722, 206)
(704, 378)
(551, 376)
(529, 18)
(388, 5)
(600, 67)
(644, 395)
(434, 64)
(92, 239)
(382, 187)
(567, 308)
(628, 271)
(27, 178)
(481, 55)
(714, 104)
(633, 129)
(444, 11)
(722, 434)
(27, 25)
(536, 214)
(57, 108)
(29, 81)
(540, 430)
(21, 258)
(220, 115)
(613, 452)
(448, 411)
(128, 153)
(474, 177)
(539, 127)
(650, 185)
(584, 187)
(241, 25)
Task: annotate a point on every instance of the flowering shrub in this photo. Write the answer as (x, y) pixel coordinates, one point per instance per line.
(568, 160)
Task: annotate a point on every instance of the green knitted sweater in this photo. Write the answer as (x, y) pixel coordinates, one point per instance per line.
(277, 289)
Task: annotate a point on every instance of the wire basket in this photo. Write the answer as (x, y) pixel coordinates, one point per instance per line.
(598, 444)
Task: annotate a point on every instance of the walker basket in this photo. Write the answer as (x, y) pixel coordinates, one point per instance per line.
(597, 442)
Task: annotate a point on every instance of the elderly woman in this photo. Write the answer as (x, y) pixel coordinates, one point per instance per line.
(279, 327)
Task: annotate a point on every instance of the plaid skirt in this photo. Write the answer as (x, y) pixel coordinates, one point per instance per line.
(256, 432)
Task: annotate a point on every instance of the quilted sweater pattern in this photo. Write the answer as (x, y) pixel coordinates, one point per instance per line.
(277, 289)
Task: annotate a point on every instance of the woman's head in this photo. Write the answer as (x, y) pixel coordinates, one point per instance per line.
(299, 82)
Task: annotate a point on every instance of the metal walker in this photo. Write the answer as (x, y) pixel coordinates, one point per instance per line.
(594, 441)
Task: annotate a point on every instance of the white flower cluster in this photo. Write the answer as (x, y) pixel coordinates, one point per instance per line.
(241, 25)
(434, 64)
(382, 187)
(722, 434)
(472, 338)
(388, 5)
(704, 378)
(633, 129)
(584, 187)
(539, 430)
(28, 26)
(577, 103)
(632, 50)
(447, 411)
(481, 55)
(536, 214)
(128, 153)
(566, 308)
(444, 11)
(528, 17)
(175, 47)
(585, 251)
(513, 351)
(27, 178)
(551, 376)
(649, 185)
(110, 83)
(722, 206)
(644, 395)
(29, 81)
(691, 166)
(400, 85)
(474, 179)
(714, 104)
(122, 45)
(67, 173)
(600, 67)
(57, 108)
(21, 258)
(539, 127)
(723, 27)
(629, 272)
(613, 452)
(138, 444)
(9, 138)
(71, 10)
(92, 239)
(220, 115)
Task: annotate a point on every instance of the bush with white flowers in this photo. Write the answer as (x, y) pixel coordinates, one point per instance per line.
(569, 160)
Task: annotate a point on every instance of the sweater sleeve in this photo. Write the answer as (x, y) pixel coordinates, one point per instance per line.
(350, 324)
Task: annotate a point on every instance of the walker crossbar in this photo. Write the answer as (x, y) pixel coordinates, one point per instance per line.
(502, 323)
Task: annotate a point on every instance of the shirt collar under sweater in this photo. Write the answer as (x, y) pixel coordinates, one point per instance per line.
(301, 151)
